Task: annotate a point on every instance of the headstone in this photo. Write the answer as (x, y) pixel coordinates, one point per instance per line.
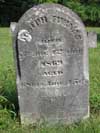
(51, 52)
(13, 26)
(92, 39)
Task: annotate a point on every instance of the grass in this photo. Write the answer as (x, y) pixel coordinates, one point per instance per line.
(7, 125)
(7, 71)
(94, 68)
(8, 90)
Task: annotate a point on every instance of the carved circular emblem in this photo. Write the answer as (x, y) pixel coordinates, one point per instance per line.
(24, 36)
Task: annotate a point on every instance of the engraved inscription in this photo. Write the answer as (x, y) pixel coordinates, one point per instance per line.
(52, 39)
(53, 73)
(65, 22)
(38, 21)
(56, 83)
(53, 52)
(51, 63)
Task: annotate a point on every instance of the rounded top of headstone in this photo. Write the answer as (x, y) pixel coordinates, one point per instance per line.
(50, 8)
(52, 12)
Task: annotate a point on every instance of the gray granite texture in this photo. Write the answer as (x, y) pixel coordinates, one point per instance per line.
(51, 53)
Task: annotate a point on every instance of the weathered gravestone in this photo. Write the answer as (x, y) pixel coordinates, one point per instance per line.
(51, 51)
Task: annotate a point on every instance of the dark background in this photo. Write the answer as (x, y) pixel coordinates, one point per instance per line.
(12, 10)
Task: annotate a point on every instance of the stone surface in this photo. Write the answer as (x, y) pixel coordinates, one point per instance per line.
(13, 26)
(51, 52)
(92, 39)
